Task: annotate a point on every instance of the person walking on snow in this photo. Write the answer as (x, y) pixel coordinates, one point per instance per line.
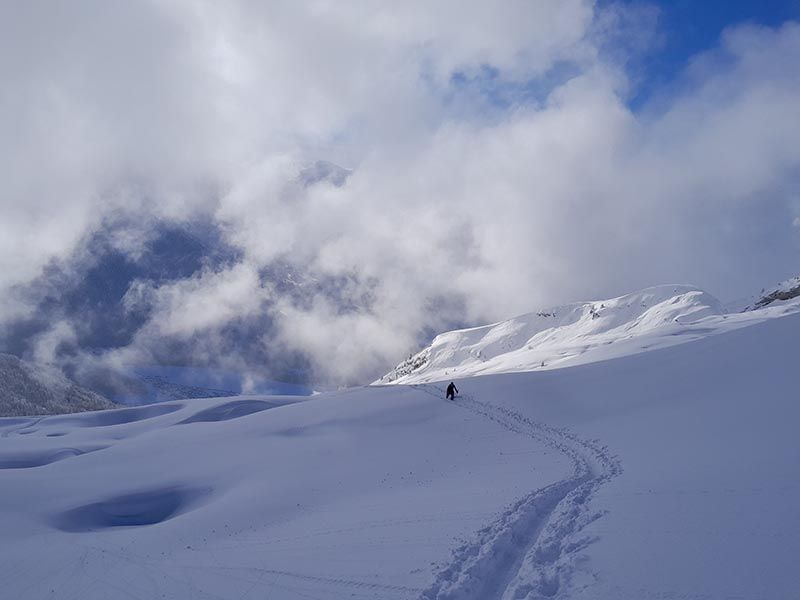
(452, 390)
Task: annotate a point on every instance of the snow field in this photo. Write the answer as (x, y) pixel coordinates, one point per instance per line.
(347, 495)
(669, 474)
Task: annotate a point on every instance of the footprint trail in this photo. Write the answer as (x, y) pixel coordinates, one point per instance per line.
(529, 551)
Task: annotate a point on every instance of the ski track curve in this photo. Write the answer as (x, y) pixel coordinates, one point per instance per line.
(31, 422)
(529, 550)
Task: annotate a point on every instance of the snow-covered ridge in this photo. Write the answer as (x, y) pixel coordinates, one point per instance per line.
(32, 389)
(577, 333)
(786, 290)
(562, 484)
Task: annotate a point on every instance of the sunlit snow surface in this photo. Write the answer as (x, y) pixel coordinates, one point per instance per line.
(579, 333)
(664, 474)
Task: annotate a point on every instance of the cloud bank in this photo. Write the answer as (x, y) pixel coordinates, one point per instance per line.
(493, 166)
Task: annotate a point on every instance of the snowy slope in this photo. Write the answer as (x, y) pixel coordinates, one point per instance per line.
(579, 333)
(30, 389)
(666, 474)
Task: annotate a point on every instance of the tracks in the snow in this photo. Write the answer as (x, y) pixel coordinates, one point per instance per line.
(528, 551)
(27, 423)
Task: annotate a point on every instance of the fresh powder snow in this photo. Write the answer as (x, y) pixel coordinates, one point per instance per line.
(579, 333)
(666, 473)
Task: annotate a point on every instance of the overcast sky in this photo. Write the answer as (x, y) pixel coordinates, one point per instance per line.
(505, 156)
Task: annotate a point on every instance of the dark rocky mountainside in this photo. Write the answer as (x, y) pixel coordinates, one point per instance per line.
(31, 389)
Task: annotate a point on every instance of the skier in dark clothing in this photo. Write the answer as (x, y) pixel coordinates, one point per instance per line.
(452, 390)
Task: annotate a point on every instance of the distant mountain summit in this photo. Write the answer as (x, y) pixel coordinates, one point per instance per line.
(30, 389)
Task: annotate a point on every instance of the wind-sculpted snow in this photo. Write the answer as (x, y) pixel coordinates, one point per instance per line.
(231, 410)
(514, 491)
(117, 417)
(129, 510)
(579, 333)
(27, 460)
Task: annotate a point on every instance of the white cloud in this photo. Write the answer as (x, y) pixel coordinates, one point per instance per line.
(204, 301)
(166, 110)
(46, 348)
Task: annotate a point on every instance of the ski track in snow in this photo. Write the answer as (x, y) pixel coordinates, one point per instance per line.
(20, 429)
(529, 551)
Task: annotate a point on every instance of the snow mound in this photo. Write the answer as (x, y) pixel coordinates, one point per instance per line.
(31, 389)
(577, 333)
(29, 460)
(230, 410)
(119, 417)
